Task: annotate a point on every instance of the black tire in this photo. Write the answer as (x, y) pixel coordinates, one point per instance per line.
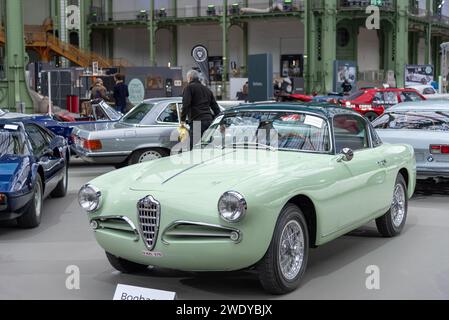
(386, 225)
(371, 116)
(270, 274)
(125, 266)
(158, 153)
(61, 189)
(32, 216)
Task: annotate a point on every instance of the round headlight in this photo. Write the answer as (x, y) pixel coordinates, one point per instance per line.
(232, 207)
(89, 198)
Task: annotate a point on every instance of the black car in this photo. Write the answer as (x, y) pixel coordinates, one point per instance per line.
(33, 165)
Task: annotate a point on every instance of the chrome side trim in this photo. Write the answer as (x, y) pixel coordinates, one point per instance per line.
(126, 219)
(199, 224)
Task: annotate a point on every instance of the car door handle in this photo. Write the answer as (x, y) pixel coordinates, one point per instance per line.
(382, 163)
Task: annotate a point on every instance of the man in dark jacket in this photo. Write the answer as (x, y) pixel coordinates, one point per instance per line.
(199, 107)
(121, 93)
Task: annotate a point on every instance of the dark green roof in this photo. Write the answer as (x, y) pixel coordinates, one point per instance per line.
(324, 109)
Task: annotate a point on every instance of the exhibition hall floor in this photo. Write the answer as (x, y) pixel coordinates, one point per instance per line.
(33, 263)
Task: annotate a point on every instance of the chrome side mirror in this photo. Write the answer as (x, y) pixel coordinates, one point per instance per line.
(346, 155)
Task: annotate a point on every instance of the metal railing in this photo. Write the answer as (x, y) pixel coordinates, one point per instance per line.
(362, 4)
(189, 11)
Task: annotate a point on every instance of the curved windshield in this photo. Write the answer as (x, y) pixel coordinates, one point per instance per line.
(136, 115)
(11, 143)
(269, 129)
(111, 113)
(425, 120)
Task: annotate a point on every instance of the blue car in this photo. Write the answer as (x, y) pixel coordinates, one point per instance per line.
(33, 165)
(100, 112)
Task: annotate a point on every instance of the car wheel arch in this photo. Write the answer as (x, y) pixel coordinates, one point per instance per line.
(40, 171)
(149, 148)
(405, 174)
(308, 208)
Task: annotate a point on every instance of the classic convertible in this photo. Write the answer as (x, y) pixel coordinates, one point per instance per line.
(33, 165)
(269, 182)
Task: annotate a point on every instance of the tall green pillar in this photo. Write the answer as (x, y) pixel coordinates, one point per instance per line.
(13, 89)
(225, 24)
(174, 46)
(329, 43)
(244, 63)
(401, 41)
(85, 29)
(428, 42)
(152, 28)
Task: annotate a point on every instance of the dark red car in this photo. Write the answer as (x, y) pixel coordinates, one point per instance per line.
(373, 102)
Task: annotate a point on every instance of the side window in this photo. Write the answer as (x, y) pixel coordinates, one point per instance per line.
(377, 141)
(410, 96)
(378, 98)
(391, 98)
(350, 132)
(170, 114)
(38, 141)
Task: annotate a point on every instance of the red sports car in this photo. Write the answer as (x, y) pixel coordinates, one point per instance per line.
(373, 102)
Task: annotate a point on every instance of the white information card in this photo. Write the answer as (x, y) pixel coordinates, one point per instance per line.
(130, 293)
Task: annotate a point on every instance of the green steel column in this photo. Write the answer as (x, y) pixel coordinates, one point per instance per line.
(401, 41)
(110, 12)
(14, 88)
(151, 26)
(245, 50)
(428, 54)
(307, 44)
(225, 24)
(85, 29)
(174, 46)
(174, 4)
(329, 43)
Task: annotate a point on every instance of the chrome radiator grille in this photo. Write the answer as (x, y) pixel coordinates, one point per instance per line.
(149, 211)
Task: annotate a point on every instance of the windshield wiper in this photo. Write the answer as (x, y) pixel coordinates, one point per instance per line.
(251, 144)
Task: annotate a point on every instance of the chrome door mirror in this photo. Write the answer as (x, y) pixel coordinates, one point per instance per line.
(346, 155)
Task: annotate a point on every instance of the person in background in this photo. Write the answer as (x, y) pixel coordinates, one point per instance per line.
(245, 91)
(121, 93)
(346, 86)
(99, 91)
(199, 107)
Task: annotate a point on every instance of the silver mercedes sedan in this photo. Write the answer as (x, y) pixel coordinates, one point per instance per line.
(425, 126)
(147, 132)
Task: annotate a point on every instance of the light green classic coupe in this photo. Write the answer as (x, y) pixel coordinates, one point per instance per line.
(267, 183)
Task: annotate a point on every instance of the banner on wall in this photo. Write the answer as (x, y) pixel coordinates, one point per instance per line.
(419, 74)
(201, 56)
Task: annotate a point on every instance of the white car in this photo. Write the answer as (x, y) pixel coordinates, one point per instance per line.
(429, 92)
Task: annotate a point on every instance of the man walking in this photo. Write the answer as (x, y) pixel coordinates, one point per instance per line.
(121, 93)
(199, 107)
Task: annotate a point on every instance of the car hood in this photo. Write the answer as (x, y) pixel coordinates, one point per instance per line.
(9, 168)
(221, 170)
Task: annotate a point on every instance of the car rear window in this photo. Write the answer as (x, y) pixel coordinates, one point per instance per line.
(136, 115)
(426, 120)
